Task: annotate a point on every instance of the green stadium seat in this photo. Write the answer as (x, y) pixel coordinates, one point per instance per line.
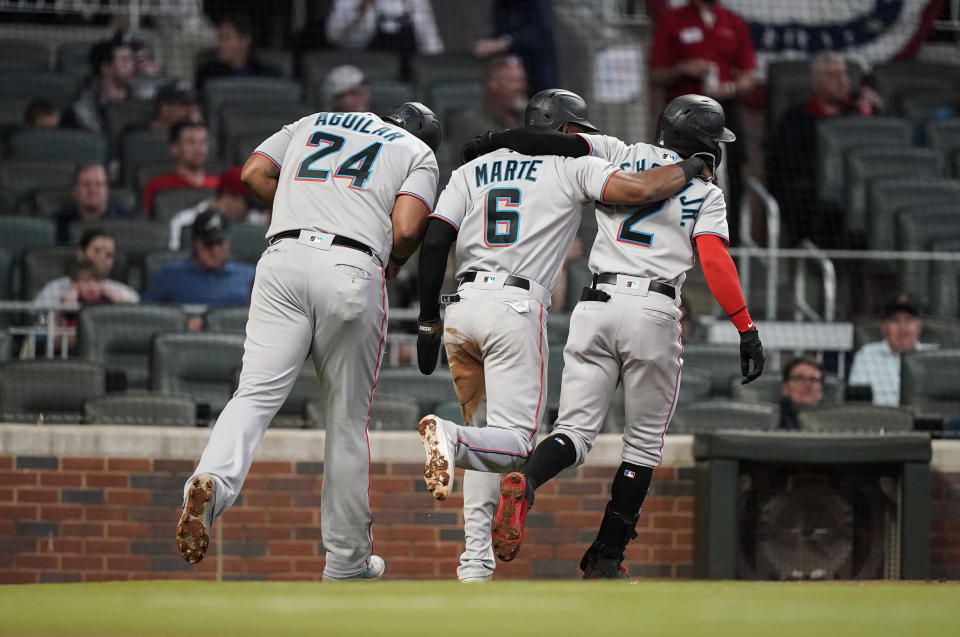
(55, 87)
(12, 109)
(449, 410)
(119, 337)
(695, 385)
(888, 196)
(19, 234)
(864, 165)
(386, 94)
(167, 203)
(837, 136)
(24, 55)
(388, 413)
(945, 280)
(20, 178)
(428, 391)
(198, 364)
(156, 260)
(722, 362)
(711, 415)
(928, 382)
(855, 418)
(228, 319)
(42, 265)
(894, 80)
(140, 408)
(48, 390)
(6, 272)
(944, 135)
(73, 59)
(431, 70)
(58, 144)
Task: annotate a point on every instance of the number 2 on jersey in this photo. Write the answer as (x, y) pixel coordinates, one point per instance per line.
(501, 211)
(357, 167)
(628, 234)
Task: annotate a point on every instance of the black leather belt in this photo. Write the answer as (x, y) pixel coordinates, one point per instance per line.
(512, 281)
(338, 240)
(610, 278)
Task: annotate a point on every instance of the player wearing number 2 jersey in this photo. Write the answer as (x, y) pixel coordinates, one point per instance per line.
(626, 327)
(513, 218)
(351, 193)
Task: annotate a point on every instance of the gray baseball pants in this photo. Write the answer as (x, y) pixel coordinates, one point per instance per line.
(329, 303)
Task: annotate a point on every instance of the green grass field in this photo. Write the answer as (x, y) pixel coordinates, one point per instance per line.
(498, 609)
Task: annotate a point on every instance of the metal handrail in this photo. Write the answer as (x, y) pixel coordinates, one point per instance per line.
(772, 210)
(829, 275)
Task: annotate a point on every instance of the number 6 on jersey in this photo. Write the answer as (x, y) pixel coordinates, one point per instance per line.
(502, 214)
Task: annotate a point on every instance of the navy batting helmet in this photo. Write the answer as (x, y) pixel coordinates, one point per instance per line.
(554, 107)
(418, 120)
(693, 124)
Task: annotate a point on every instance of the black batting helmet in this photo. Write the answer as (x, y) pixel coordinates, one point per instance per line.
(418, 120)
(555, 107)
(693, 124)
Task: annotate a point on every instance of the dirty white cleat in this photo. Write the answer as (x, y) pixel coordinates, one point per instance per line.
(438, 471)
(375, 570)
(193, 530)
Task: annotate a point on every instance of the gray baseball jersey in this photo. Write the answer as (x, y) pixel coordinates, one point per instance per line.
(346, 149)
(654, 241)
(518, 214)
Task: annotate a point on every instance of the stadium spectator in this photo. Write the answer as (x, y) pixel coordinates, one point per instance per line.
(41, 113)
(524, 28)
(792, 152)
(89, 201)
(189, 147)
(233, 199)
(405, 27)
(207, 277)
(877, 365)
(505, 97)
(345, 90)
(113, 67)
(99, 248)
(802, 388)
(235, 56)
(175, 102)
(705, 48)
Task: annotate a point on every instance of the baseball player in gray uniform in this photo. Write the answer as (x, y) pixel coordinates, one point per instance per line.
(513, 218)
(626, 327)
(351, 193)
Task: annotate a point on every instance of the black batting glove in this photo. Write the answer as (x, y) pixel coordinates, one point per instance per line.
(429, 339)
(479, 145)
(751, 350)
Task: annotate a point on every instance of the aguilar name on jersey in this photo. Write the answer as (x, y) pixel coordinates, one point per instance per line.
(655, 240)
(339, 172)
(517, 213)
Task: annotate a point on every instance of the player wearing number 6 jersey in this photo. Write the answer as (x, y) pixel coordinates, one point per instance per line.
(626, 327)
(351, 193)
(513, 218)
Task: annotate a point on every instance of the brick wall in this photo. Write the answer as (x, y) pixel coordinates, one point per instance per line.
(945, 526)
(90, 519)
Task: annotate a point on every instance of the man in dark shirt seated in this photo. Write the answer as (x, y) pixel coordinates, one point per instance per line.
(235, 55)
(89, 200)
(802, 389)
(207, 277)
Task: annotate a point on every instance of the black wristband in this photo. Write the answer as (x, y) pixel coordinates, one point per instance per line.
(691, 167)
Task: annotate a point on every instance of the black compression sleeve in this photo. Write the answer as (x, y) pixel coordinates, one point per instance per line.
(432, 265)
(531, 140)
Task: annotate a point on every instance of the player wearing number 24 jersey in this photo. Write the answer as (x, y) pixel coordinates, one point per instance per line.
(626, 327)
(351, 193)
